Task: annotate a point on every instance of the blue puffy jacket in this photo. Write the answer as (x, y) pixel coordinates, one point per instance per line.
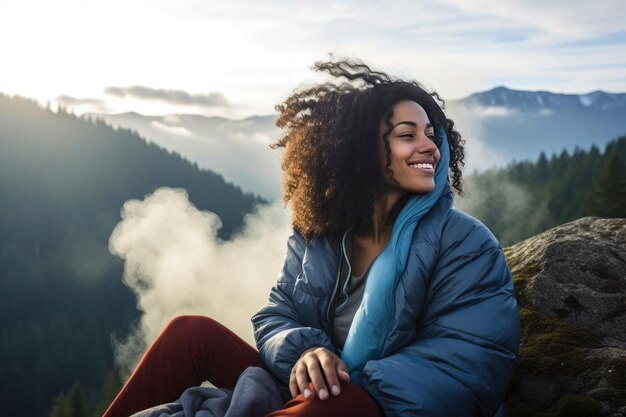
(456, 332)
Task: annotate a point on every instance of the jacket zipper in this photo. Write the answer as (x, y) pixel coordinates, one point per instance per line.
(337, 280)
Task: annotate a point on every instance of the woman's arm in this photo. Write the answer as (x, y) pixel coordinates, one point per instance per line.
(462, 360)
(282, 333)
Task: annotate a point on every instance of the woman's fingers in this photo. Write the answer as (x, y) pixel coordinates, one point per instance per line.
(323, 369)
(329, 365)
(302, 379)
(313, 365)
(342, 371)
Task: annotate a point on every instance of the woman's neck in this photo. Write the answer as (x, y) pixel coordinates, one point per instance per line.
(380, 231)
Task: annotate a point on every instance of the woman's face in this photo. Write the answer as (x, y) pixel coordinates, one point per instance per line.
(414, 154)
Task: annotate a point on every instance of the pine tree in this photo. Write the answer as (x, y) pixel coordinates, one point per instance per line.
(77, 401)
(109, 390)
(542, 168)
(609, 193)
(61, 407)
(74, 404)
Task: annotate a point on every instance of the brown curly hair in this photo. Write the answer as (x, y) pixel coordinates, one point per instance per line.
(331, 164)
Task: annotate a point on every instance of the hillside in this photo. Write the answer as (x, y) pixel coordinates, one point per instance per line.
(63, 181)
(236, 148)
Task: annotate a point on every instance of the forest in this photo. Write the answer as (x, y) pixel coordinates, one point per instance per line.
(63, 180)
(527, 197)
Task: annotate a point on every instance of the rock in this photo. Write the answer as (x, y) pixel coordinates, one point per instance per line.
(577, 272)
(571, 285)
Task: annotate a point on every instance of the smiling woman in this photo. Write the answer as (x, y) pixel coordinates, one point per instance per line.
(340, 134)
(390, 302)
(414, 154)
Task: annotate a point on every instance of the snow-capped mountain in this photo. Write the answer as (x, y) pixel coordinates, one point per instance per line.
(529, 100)
(503, 124)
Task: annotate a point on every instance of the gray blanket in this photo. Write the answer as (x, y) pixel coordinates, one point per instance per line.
(256, 394)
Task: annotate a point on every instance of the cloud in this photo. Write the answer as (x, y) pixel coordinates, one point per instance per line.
(501, 203)
(469, 121)
(263, 50)
(559, 17)
(93, 103)
(179, 97)
(176, 264)
(177, 130)
(493, 111)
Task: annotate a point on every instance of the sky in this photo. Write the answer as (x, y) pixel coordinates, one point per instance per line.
(242, 57)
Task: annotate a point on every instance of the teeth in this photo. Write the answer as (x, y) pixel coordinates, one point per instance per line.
(422, 165)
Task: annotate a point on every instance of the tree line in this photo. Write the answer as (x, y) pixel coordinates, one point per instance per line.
(528, 197)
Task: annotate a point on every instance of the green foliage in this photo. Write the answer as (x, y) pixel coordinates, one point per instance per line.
(63, 181)
(108, 392)
(609, 194)
(74, 404)
(61, 407)
(527, 198)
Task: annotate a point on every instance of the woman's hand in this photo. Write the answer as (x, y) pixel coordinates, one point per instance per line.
(323, 368)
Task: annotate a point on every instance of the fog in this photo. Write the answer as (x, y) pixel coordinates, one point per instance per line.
(176, 264)
(468, 121)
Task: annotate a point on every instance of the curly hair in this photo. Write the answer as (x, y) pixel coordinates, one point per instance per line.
(332, 176)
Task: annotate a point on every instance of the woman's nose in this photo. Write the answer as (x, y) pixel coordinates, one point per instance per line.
(426, 145)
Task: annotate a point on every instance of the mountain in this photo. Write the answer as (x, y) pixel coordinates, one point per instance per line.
(519, 125)
(499, 125)
(538, 100)
(63, 182)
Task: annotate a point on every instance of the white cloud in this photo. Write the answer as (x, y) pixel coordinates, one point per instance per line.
(469, 122)
(493, 111)
(177, 130)
(214, 99)
(559, 17)
(82, 104)
(255, 53)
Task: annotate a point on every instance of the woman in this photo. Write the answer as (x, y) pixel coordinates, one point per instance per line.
(390, 302)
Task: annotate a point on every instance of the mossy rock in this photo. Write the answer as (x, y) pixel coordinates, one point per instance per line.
(552, 347)
(552, 352)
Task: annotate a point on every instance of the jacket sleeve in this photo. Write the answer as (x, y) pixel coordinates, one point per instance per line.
(282, 328)
(462, 360)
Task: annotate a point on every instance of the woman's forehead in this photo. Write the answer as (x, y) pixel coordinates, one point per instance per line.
(408, 109)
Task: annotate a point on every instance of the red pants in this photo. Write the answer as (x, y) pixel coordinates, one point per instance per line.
(193, 349)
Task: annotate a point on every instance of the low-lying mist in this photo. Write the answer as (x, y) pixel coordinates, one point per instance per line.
(176, 264)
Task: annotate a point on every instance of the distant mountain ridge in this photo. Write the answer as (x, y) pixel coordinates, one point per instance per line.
(500, 125)
(237, 149)
(520, 99)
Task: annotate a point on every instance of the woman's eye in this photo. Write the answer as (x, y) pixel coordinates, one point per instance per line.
(406, 135)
